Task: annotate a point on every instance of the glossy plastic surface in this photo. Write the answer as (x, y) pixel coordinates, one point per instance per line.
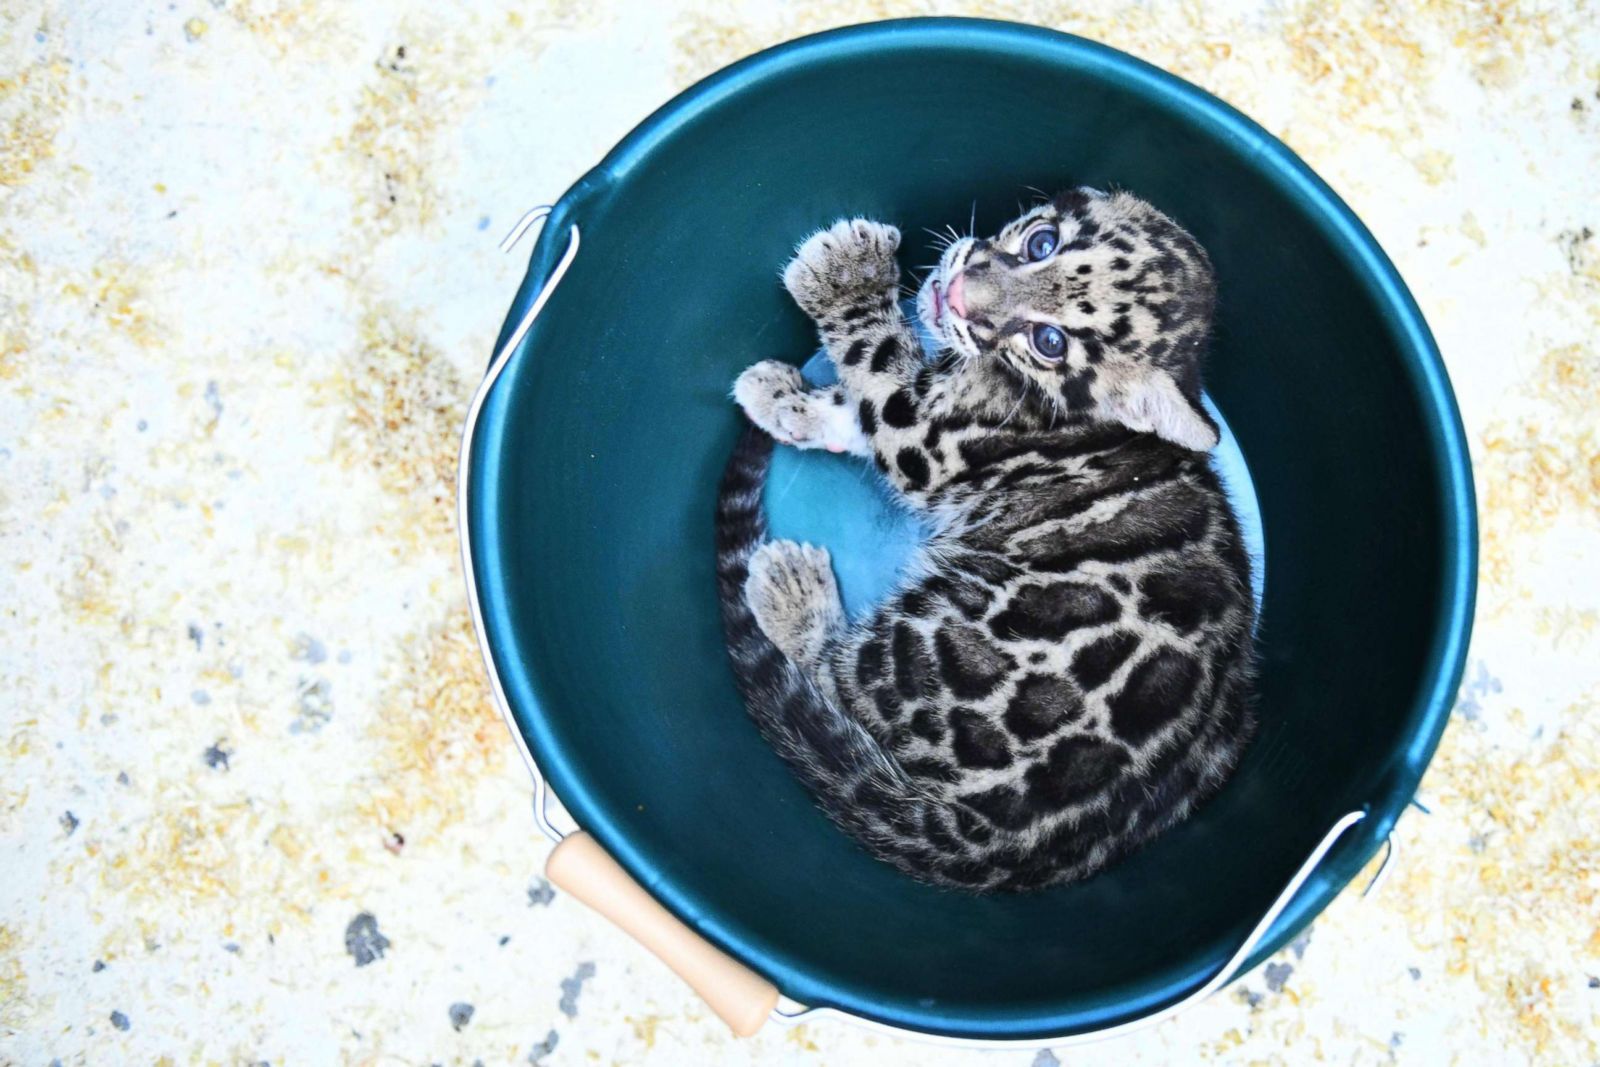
(599, 451)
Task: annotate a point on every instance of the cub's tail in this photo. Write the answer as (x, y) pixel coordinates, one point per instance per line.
(859, 785)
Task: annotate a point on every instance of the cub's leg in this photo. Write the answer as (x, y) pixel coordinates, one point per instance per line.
(847, 280)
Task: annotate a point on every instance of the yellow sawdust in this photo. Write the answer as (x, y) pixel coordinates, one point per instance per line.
(644, 1028)
(14, 1003)
(13, 347)
(433, 70)
(13, 793)
(1490, 32)
(1564, 624)
(799, 1036)
(112, 294)
(184, 854)
(394, 141)
(403, 405)
(706, 43)
(436, 732)
(16, 313)
(1364, 67)
(1568, 380)
(306, 28)
(87, 594)
(1368, 48)
(1519, 874)
(218, 860)
(1230, 1040)
(217, 864)
(1538, 467)
(1358, 49)
(33, 100)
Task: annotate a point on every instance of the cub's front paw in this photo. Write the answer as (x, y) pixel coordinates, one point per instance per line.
(837, 267)
(776, 399)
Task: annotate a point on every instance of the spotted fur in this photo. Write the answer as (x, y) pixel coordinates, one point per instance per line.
(1065, 669)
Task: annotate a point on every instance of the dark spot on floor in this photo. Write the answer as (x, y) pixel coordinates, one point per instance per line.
(363, 941)
(99, 965)
(1276, 974)
(120, 1021)
(69, 822)
(572, 987)
(217, 757)
(308, 649)
(460, 1014)
(1299, 945)
(539, 1051)
(540, 893)
(315, 699)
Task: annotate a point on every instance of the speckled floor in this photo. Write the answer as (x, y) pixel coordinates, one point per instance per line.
(254, 805)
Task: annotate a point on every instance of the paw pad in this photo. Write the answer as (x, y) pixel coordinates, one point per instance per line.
(849, 260)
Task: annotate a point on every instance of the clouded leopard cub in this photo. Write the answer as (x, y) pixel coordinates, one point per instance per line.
(1064, 670)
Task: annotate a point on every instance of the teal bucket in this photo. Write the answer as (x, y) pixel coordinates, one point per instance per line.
(590, 470)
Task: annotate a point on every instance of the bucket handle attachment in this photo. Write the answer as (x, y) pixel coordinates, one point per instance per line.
(580, 866)
(741, 997)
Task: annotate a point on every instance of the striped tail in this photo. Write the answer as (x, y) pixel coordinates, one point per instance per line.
(859, 785)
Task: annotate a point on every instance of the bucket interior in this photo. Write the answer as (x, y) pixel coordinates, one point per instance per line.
(601, 448)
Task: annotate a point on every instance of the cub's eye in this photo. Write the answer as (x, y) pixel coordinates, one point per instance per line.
(1049, 343)
(1040, 243)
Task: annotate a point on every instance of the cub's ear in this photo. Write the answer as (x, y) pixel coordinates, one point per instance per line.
(1151, 402)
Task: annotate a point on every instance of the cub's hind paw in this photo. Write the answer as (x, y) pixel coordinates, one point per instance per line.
(837, 267)
(792, 594)
(776, 399)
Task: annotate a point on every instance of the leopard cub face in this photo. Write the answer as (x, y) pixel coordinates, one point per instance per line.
(1097, 303)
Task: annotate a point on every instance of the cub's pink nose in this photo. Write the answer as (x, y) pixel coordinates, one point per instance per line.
(955, 294)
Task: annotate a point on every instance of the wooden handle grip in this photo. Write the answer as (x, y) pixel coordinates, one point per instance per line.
(741, 997)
